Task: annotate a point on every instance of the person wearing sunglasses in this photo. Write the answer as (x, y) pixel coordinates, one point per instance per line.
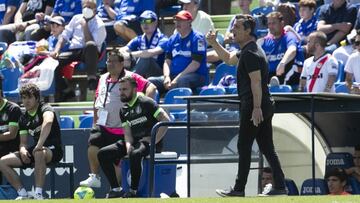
(147, 50)
(352, 69)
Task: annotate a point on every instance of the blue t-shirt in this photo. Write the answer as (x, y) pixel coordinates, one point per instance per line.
(304, 28)
(275, 48)
(3, 7)
(157, 40)
(346, 13)
(52, 40)
(130, 9)
(181, 50)
(102, 13)
(67, 8)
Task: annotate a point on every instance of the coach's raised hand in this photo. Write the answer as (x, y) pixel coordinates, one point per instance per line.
(211, 37)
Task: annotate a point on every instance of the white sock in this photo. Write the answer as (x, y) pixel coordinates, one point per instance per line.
(38, 190)
(117, 189)
(22, 192)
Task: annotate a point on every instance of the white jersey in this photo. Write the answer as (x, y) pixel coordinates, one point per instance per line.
(352, 65)
(330, 67)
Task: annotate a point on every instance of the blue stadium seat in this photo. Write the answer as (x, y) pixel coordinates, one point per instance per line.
(213, 91)
(341, 72)
(353, 186)
(281, 88)
(169, 99)
(321, 187)
(11, 78)
(291, 186)
(221, 71)
(341, 88)
(338, 160)
(234, 91)
(157, 96)
(87, 122)
(81, 117)
(66, 122)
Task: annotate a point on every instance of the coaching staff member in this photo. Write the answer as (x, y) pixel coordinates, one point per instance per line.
(256, 104)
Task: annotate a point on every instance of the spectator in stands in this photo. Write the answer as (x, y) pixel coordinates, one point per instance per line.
(127, 26)
(202, 21)
(352, 67)
(288, 11)
(336, 180)
(280, 48)
(147, 48)
(107, 12)
(355, 170)
(185, 63)
(336, 20)
(8, 10)
(137, 127)
(319, 71)
(308, 21)
(9, 126)
(256, 105)
(107, 131)
(86, 34)
(41, 123)
(25, 21)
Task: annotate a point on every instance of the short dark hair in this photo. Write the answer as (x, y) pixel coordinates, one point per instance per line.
(308, 3)
(337, 172)
(129, 79)
(30, 90)
(276, 14)
(117, 53)
(248, 22)
(320, 38)
(266, 170)
(357, 147)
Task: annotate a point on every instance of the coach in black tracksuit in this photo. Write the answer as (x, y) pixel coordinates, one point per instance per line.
(256, 104)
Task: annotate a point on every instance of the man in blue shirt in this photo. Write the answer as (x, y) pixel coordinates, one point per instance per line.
(126, 25)
(185, 63)
(149, 47)
(336, 20)
(7, 10)
(280, 48)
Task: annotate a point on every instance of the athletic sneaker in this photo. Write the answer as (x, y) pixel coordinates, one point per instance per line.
(115, 194)
(130, 194)
(270, 191)
(92, 181)
(22, 197)
(274, 81)
(230, 193)
(38, 196)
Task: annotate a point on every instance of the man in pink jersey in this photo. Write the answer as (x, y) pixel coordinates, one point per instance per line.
(107, 129)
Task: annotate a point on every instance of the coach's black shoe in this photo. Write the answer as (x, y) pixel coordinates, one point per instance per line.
(230, 193)
(130, 194)
(270, 191)
(115, 194)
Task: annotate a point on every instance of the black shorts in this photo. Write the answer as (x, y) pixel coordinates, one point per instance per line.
(57, 154)
(9, 146)
(100, 137)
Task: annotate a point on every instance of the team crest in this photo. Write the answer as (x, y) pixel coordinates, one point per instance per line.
(201, 45)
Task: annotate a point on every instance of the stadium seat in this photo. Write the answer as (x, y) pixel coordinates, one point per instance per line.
(341, 72)
(66, 122)
(81, 117)
(213, 91)
(87, 122)
(157, 96)
(281, 88)
(234, 91)
(321, 187)
(179, 114)
(338, 160)
(221, 71)
(11, 78)
(353, 186)
(291, 186)
(341, 88)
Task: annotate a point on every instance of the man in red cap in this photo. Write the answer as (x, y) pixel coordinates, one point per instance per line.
(185, 63)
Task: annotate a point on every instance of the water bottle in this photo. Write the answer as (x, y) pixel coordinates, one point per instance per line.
(77, 92)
